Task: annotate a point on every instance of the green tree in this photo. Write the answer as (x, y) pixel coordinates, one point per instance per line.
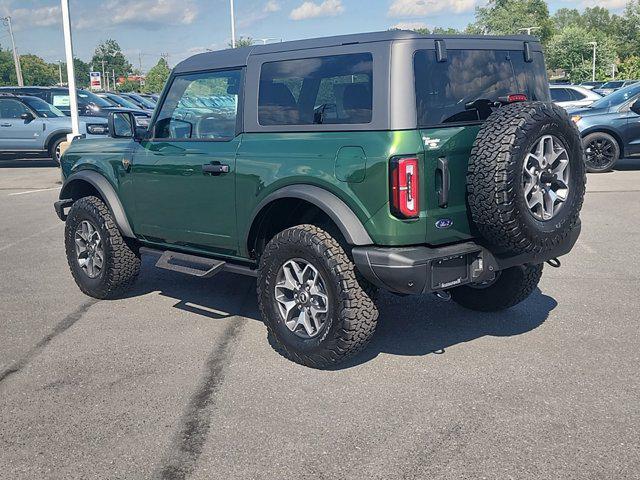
(114, 60)
(243, 42)
(510, 17)
(36, 71)
(627, 31)
(567, 17)
(630, 67)
(81, 69)
(571, 51)
(7, 69)
(157, 77)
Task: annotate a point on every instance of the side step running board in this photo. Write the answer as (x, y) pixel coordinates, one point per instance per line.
(201, 267)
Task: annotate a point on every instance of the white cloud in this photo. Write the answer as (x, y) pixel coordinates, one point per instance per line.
(142, 12)
(272, 6)
(409, 25)
(328, 8)
(419, 8)
(36, 17)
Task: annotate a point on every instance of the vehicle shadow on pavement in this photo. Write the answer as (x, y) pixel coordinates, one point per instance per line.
(407, 326)
(423, 325)
(627, 164)
(31, 161)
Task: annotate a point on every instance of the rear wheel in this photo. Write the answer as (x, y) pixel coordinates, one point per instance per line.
(601, 152)
(316, 311)
(55, 150)
(506, 289)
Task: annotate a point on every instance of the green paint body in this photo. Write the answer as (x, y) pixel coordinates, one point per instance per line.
(170, 202)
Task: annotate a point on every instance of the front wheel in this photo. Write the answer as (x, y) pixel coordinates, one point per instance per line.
(101, 262)
(506, 289)
(601, 152)
(316, 311)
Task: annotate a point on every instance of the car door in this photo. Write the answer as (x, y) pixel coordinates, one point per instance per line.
(183, 175)
(16, 133)
(631, 132)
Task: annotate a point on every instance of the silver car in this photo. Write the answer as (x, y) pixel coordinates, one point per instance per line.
(31, 125)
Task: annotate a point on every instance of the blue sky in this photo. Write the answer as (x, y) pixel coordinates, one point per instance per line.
(148, 28)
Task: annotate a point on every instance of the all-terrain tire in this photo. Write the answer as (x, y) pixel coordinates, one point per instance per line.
(352, 314)
(511, 287)
(495, 179)
(121, 264)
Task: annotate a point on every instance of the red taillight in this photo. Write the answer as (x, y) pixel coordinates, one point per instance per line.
(516, 97)
(405, 187)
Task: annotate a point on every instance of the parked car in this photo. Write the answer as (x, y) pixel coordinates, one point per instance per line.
(613, 86)
(141, 102)
(610, 128)
(152, 98)
(568, 96)
(332, 167)
(591, 85)
(118, 101)
(31, 125)
(89, 104)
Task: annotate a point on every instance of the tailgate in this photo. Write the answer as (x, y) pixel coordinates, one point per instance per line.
(446, 152)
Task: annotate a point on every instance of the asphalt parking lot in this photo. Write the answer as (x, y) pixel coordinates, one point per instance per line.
(178, 381)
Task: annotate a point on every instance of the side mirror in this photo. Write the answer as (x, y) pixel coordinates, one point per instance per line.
(635, 107)
(27, 117)
(123, 125)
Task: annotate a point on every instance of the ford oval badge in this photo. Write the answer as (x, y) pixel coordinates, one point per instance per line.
(444, 223)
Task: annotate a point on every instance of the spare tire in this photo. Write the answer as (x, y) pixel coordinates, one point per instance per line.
(526, 177)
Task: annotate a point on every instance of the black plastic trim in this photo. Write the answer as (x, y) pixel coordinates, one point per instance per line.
(413, 270)
(107, 192)
(347, 221)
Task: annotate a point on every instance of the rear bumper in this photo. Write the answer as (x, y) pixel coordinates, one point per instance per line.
(421, 269)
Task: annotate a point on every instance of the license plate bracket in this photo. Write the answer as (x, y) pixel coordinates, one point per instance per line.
(451, 271)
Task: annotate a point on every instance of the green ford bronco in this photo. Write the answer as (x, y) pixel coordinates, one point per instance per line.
(333, 167)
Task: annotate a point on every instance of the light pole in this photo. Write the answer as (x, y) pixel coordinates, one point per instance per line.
(528, 29)
(60, 70)
(593, 71)
(71, 76)
(16, 57)
(233, 26)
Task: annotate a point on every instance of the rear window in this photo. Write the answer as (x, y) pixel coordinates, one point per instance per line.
(334, 89)
(444, 90)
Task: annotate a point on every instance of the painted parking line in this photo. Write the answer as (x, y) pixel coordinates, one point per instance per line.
(33, 191)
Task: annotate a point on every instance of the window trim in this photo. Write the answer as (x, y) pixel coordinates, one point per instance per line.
(239, 111)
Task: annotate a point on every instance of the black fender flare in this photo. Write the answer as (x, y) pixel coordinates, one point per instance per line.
(347, 221)
(106, 191)
(57, 133)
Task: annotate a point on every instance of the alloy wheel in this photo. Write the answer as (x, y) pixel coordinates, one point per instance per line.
(546, 175)
(89, 249)
(302, 298)
(600, 153)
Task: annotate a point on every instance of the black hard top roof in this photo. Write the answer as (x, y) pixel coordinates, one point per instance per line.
(237, 57)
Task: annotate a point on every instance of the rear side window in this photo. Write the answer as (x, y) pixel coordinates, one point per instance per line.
(335, 89)
(561, 95)
(445, 90)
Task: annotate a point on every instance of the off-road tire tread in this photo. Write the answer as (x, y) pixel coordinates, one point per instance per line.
(357, 311)
(494, 169)
(122, 260)
(503, 294)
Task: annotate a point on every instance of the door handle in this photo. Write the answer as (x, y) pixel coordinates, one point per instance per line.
(5, 125)
(215, 168)
(443, 182)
